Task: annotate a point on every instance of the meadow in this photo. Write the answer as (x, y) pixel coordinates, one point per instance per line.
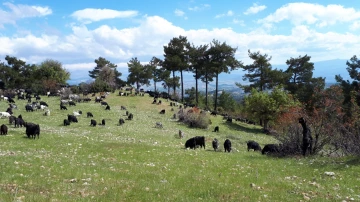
(139, 162)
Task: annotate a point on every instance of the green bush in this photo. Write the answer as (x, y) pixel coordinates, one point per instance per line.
(195, 119)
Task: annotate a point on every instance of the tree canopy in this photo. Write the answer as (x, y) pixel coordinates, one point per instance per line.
(258, 73)
(138, 73)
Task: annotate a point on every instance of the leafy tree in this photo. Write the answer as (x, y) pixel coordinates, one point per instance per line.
(207, 75)
(258, 72)
(110, 70)
(108, 75)
(191, 98)
(348, 87)
(176, 59)
(261, 105)
(16, 73)
(100, 63)
(53, 70)
(168, 82)
(100, 86)
(84, 87)
(197, 57)
(158, 74)
(227, 102)
(221, 59)
(52, 74)
(138, 74)
(300, 82)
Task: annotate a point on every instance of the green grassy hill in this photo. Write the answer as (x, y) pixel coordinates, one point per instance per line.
(138, 162)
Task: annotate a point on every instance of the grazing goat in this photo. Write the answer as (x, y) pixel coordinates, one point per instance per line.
(4, 115)
(194, 142)
(44, 103)
(66, 122)
(253, 145)
(29, 108)
(227, 145)
(72, 118)
(121, 121)
(92, 122)
(32, 130)
(12, 119)
(72, 103)
(215, 144)
(89, 114)
(19, 122)
(3, 129)
(270, 149)
(47, 112)
(103, 122)
(216, 129)
(307, 138)
(76, 114)
(62, 107)
(158, 125)
(162, 111)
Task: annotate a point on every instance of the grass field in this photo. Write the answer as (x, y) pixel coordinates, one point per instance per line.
(138, 162)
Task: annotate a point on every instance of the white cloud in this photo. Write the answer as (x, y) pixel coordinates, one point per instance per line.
(227, 14)
(312, 14)
(89, 15)
(239, 22)
(79, 48)
(355, 26)
(19, 11)
(199, 8)
(80, 66)
(255, 9)
(178, 12)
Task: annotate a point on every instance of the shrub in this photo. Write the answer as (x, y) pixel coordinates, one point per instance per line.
(194, 118)
(290, 142)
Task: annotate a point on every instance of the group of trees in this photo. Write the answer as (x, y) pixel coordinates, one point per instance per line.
(205, 61)
(47, 76)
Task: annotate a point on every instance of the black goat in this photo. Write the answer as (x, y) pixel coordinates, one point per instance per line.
(253, 145)
(215, 144)
(227, 145)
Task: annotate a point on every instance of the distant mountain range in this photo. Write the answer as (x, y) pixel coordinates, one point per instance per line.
(327, 69)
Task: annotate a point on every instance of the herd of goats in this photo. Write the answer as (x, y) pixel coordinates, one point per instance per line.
(33, 130)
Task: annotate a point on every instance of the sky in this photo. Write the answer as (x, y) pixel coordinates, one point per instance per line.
(78, 32)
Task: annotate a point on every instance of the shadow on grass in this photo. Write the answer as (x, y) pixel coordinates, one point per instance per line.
(237, 127)
(354, 161)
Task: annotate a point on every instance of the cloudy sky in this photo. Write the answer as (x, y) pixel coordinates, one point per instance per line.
(77, 32)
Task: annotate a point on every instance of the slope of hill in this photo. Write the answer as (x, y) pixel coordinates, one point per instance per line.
(139, 162)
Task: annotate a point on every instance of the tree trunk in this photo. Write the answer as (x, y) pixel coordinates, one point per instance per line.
(266, 122)
(182, 87)
(174, 84)
(155, 85)
(196, 88)
(216, 91)
(206, 92)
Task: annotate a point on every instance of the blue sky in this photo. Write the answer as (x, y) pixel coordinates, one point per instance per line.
(77, 32)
